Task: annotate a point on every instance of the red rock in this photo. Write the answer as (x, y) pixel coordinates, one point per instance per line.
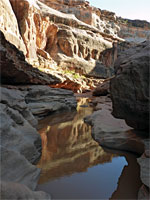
(15, 69)
(9, 25)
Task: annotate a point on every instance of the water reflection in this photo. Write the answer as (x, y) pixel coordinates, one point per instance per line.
(68, 147)
(74, 166)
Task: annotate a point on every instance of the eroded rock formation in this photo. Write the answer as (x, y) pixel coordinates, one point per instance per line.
(21, 143)
(134, 31)
(16, 70)
(61, 35)
(42, 44)
(9, 25)
(130, 86)
(74, 41)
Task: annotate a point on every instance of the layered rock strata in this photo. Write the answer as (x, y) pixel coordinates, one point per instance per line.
(72, 42)
(15, 69)
(53, 40)
(20, 141)
(134, 31)
(9, 29)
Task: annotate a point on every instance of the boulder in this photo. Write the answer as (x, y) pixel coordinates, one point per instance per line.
(17, 169)
(17, 124)
(130, 87)
(10, 190)
(14, 98)
(113, 133)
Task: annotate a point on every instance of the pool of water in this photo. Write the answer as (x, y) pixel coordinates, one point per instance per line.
(74, 166)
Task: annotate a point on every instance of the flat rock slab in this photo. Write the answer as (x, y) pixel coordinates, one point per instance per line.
(113, 133)
(44, 100)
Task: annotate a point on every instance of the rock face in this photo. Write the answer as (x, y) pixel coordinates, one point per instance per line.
(9, 29)
(20, 141)
(74, 41)
(130, 86)
(15, 70)
(135, 31)
(53, 40)
(43, 100)
(87, 14)
(21, 144)
(20, 191)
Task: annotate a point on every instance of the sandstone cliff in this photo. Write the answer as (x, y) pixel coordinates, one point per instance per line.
(134, 31)
(62, 36)
(54, 41)
(61, 43)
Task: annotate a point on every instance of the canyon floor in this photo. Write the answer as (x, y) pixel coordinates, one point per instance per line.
(74, 103)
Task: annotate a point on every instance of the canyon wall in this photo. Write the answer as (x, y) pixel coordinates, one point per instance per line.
(53, 40)
(57, 37)
(134, 31)
(57, 43)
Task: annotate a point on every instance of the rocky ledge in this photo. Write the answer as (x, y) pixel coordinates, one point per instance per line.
(20, 107)
(114, 133)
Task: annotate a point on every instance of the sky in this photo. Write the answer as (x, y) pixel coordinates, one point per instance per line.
(131, 9)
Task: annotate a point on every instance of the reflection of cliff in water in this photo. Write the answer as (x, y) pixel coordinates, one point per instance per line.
(68, 146)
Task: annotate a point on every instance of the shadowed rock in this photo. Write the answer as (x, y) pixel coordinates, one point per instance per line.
(10, 190)
(113, 133)
(103, 89)
(15, 69)
(20, 141)
(43, 100)
(130, 86)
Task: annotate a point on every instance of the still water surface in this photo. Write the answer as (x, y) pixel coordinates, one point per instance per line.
(74, 166)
